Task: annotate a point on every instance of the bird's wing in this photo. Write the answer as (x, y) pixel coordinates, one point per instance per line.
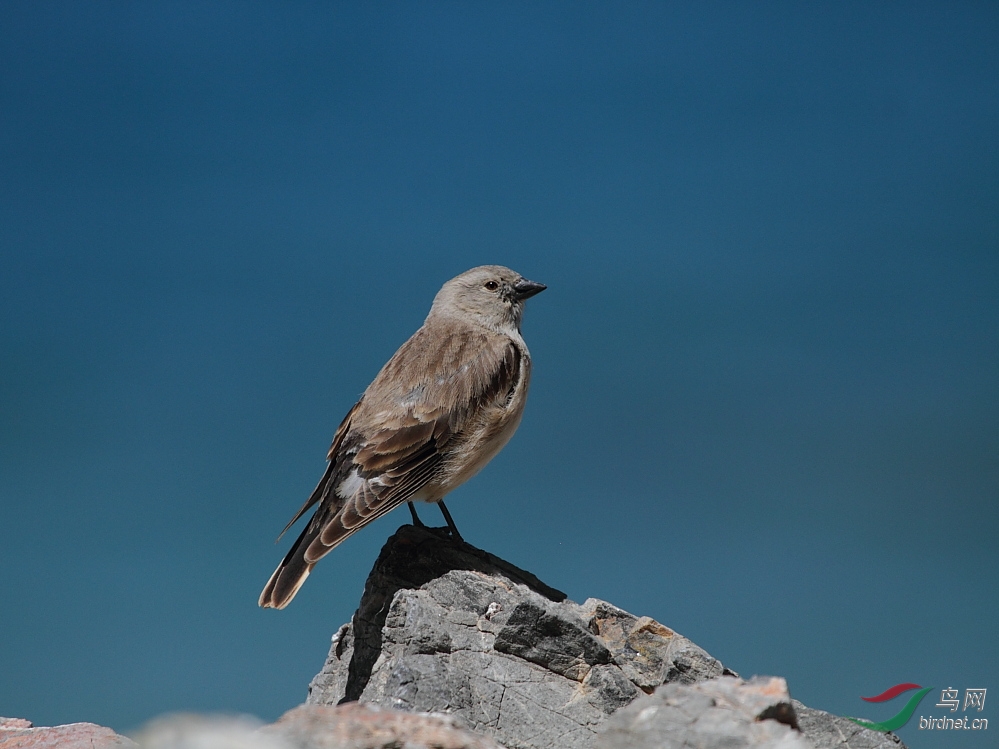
(318, 494)
(396, 439)
(411, 421)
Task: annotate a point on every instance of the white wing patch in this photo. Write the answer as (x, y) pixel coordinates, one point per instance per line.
(349, 486)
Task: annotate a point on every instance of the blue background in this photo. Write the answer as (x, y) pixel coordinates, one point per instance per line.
(765, 408)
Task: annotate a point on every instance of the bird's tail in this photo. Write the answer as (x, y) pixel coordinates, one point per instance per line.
(290, 574)
(320, 537)
(325, 532)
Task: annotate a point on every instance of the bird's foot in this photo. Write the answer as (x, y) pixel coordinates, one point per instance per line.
(416, 518)
(450, 523)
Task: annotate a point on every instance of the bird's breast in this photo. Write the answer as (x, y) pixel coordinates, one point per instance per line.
(486, 436)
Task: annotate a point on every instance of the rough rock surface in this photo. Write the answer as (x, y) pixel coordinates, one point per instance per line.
(366, 726)
(726, 712)
(445, 627)
(732, 713)
(18, 733)
(828, 731)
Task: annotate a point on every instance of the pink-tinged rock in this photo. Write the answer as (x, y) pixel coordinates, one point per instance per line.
(17, 733)
(357, 725)
(9, 723)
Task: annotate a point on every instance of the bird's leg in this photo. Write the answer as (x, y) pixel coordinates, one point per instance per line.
(416, 518)
(450, 522)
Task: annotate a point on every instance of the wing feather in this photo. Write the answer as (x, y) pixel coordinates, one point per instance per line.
(414, 434)
(398, 438)
(322, 490)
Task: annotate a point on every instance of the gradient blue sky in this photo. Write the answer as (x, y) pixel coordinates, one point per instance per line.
(765, 408)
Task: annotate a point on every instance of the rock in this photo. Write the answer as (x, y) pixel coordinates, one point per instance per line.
(366, 726)
(17, 733)
(187, 731)
(9, 723)
(731, 713)
(351, 726)
(454, 648)
(827, 731)
(649, 653)
(445, 627)
(726, 712)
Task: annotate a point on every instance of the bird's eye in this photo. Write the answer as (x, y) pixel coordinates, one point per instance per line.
(491, 285)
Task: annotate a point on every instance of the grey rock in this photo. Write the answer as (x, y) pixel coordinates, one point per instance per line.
(729, 713)
(444, 627)
(648, 652)
(827, 731)
(551, 639)
(725, 713)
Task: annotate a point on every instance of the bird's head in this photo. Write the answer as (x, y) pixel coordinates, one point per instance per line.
(490, 295)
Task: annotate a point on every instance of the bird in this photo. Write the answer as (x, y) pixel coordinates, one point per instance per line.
(439, 410)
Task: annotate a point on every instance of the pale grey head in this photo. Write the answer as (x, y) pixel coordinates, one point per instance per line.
(490, 295)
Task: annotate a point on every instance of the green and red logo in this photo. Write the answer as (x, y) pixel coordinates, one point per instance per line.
(903, 715)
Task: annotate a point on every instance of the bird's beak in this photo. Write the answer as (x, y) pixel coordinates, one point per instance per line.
(526, 289)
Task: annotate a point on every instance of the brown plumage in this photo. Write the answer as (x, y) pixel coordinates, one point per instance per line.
(441, 408)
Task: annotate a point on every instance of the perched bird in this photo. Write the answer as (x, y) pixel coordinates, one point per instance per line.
(441, 408)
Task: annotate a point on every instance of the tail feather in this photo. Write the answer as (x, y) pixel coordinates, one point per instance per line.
(308, 549)
(322, 534)
(290, 575)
